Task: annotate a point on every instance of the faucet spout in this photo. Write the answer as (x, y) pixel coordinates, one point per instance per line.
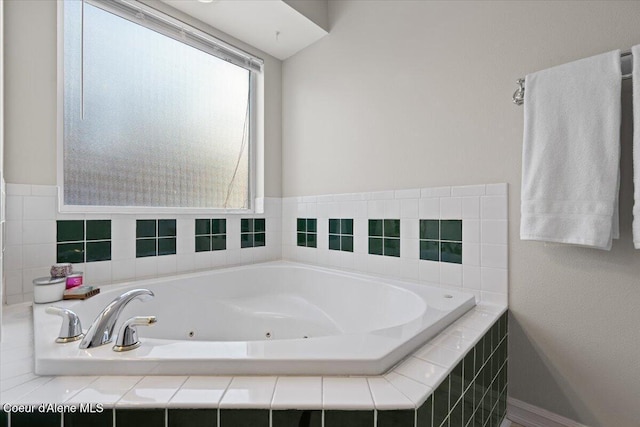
(101, 330)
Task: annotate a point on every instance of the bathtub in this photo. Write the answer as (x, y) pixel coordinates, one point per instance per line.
(267, 319)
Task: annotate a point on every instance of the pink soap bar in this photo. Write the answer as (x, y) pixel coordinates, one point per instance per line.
(74, 280)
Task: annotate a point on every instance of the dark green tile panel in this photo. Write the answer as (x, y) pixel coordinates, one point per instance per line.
(203, 243)
(312, 240)
(347, 243)
(451, 229)
(346, 226)
(430, 229)
(334, 242)
(219, 242)
(312, 225)
(376, 227)
(302, 239)
(334, 226)
(348, 418)
(451, 252)
(392, 228)
(301, 225)
(140, 417)
(36, 419)
(441, 402)
(425, 413)
(375, 246)
(4, 419)
(392, 247)
(260, 225)
(469, 371)
(167, 228)
(455, 417)
(296, 418)
(456, 383)
(99, 229)
(167, 246)
(70, 231)
(146, 248)
(192, 418)
(429, 250)
(246, 225)
(244, 418)
(70, 252)
(146, 228)
(218, 226)
(246, 240)
(80, 419)
(98, 251)
(260, 239)
(400, 418)
(203, 227)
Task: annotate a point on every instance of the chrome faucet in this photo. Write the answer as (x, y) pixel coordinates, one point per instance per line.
(101, 330)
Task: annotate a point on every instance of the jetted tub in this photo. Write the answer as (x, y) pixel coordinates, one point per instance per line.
(271, 318)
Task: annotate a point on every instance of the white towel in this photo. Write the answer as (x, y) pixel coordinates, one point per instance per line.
(571, 153)
(635, 74)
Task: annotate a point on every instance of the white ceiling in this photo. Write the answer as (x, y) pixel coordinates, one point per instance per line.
(269, 25)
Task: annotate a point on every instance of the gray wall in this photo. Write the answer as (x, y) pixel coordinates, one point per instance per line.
(405, 94)
(30, 94)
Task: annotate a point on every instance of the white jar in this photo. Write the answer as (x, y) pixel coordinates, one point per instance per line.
(48, 289)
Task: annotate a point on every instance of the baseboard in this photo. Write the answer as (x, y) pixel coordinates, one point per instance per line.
(532, 416)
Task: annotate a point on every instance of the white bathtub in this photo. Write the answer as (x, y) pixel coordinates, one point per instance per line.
(319, 321)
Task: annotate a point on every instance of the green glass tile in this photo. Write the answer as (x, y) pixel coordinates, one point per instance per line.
(246, 240)
(260, 225)
(4, 419)
(348, 418)
(486, 346)
(296, 418)
(430, 229)
(312, 240)
(244, 418)
(467, 402)
(246, 225)
(312, 225)
(451, 252)
(203, 243)
(375, 246)
(479, 355)
(167, 228)
(478, 392)
(99, 229)
(70, 252)
(391, 228)
(392, 247)
(191, 417)
(502, 322)
(70, 231)
(219, 243)
(429, 250)
(456, 383)
(301, 224)
(140, 417)
(167, 246)
(218, 226)
(145, 248)
(451, 229)
(98, 251)
(260, 239)
(455, 417)
(425, 413)
(376, 227)
(399, 418)
(346, 226)
(347, 243)
(334, 242)
(146, 228)
(80, 419)
(334, 226)
(203, 226)
(35, 419)
(441, 402)
(302, 239)
(469, 371)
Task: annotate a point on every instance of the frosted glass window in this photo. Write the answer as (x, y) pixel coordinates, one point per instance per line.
(150, 121)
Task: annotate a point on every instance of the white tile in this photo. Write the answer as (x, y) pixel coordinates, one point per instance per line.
(452, 342)
(386, 396)
(18, 189)
(494, 280)
(44, 190)
(123, 249)
(38, 255)
(392, 208)
(218, 259)
(410, 269)
(429, 271)
(470, 231)
(146, 267)
(419, 370)
(451, 208)
(441, 356)
(58, 390)
(346, 393)
(13, 282)
(391, 266)
(493, 207)
(479, 320)
(123, 228)
(39, 208)
(105, 390)
(410, 248)
(491, 298)
(462, 332)
(200, 392)
(429, 208)
(298, 393)
(13, 230)
(202, 260)
(16, 299)
(497, 189)
(471, 278)
(14, 394)
(410, 228)
(322, 198)
(415, 391)
(151, 392)
(375, 209)
(124, 269)
(29, 274)
(468, 190)
(167, 265)
(312, 211)
(14, 208)
(13, 257)
(494, 231)
(471, 254)
(495, 256)
(98, 272)
(249, 392)
(441, 192)
(381, 195)
(8, 384)
(470, 207)
(333, 210)
(413, 193)
(451, 274)
(409, 208)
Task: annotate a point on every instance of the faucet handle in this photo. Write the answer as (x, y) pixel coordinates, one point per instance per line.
(128, 335)
(71, 329)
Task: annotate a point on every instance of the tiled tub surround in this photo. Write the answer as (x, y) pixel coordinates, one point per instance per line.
(31, 243)
(474, 260)
(459, 375)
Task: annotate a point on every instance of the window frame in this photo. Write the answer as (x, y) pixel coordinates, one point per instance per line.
(256, 117)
